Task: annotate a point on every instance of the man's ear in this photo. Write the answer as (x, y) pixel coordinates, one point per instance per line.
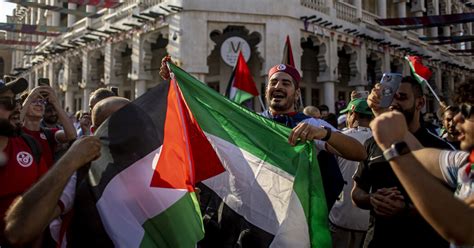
(298, 93)
(420, 102)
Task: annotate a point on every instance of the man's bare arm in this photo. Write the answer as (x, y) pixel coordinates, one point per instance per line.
(29, 215)
(449, 216)
(360, 197)
(341, 144)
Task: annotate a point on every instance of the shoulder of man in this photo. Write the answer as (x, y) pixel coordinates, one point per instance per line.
(429, 139)
(360, 134)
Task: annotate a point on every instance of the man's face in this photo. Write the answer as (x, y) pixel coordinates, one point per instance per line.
(465, 127)
(7, 106)
(280, 93)
(36, 108)
(448, 122)
(50, 115)
(405, 102)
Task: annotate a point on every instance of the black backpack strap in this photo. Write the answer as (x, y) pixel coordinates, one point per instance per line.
(49, 137)
(33, 145)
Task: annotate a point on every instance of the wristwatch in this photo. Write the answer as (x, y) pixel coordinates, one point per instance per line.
(328, 133)
(395, 150)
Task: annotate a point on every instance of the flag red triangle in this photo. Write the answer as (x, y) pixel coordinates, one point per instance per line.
(186, 155)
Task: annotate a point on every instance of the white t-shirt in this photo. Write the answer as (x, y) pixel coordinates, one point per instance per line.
(453, 167)
(320, 145)
(344, 214)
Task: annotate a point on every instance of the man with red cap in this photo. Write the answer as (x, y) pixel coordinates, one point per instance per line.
(282, 94)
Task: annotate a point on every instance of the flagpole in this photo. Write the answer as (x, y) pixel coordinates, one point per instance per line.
(261, 103)
(434, 94)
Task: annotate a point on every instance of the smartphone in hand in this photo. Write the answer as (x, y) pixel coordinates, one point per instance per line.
(390, 83)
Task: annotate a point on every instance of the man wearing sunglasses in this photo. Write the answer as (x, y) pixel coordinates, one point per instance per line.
(423, 172)
(20, 170)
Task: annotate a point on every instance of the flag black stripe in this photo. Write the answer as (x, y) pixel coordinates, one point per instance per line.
(132, 133)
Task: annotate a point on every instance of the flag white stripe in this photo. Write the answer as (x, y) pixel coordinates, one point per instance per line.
(261, 193)
(128, 201)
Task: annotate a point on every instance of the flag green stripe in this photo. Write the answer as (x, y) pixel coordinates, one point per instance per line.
(313, 202)
(178, 226)
(241, 96)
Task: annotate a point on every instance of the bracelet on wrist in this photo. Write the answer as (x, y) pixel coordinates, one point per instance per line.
(328, 134)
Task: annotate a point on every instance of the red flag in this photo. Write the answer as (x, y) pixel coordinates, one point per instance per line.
(179, 156)
(420, 72)
(288, 53)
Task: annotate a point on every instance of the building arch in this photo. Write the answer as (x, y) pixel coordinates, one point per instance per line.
(219, 71)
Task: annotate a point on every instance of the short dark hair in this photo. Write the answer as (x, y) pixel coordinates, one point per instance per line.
(416, 87)
(454, 109)
(323, 108)
(331, 119)
(102, 93)
(365, 116)
(464, 93)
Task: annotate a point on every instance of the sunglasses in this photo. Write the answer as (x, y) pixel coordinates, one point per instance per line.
(466, 110)
(8, 102)
(39, 102)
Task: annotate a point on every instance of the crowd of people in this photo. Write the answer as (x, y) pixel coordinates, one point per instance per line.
(391, 176)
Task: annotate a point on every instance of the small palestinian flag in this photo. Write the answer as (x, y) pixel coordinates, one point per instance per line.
(420, 72)
(288, 53)
(241, 86)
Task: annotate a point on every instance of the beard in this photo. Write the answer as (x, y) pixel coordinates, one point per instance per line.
(408, 113)
(281, 104)
(6, 128)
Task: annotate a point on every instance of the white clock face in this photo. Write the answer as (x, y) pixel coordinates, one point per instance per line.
(230, 50)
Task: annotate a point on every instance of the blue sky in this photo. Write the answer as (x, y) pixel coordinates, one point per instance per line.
(6, 8)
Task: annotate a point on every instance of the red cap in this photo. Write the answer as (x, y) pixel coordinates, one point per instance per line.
(287, 69)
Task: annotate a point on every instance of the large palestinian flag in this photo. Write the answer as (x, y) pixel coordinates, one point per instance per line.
(156, 148)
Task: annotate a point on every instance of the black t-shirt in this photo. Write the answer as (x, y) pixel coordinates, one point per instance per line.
(406, 229)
